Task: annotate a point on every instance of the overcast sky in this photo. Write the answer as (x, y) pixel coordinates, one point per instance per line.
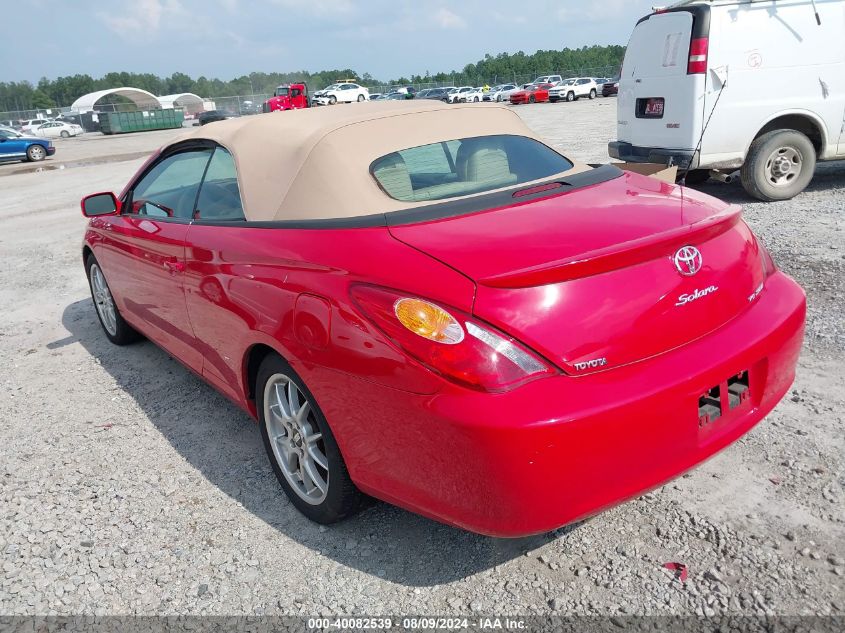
(228, 38)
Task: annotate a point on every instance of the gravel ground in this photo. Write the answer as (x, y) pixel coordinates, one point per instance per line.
(128, 486)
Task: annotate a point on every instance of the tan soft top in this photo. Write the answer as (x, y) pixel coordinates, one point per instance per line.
(315, 163)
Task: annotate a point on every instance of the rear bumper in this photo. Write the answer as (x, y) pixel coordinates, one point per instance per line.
(637, 154)
(560, 449)
(51, 150)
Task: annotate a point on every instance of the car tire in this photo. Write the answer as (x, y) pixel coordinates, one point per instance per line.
(531, 99)
(117, 330)
(332, 100)
(301, 464)
(592, 94)
(361, 98)
(35, 153)
(779, 165)
(498, 98)
(570, 96)
(65, 134)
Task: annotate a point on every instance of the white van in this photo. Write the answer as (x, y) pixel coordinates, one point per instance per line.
(766, 78)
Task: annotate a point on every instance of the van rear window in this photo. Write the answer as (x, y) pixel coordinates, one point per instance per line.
(462, 167)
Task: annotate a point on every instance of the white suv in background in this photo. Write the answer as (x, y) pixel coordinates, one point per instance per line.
(342, 93)
(573, 89)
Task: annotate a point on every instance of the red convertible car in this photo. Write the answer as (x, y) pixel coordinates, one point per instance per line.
(535, 93)
(433, 307)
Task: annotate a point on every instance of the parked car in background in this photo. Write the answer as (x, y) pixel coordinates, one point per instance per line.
(611, 88)
(342, 93)
(211, 116)
(475, 95)
(422, 94)
(734, 85)
(458, 95)
(408, 92)
(434, 93)
(546, 79)
(29, 125)
(397, 96)
(17, 146)
(374, 96)
(55, 129)
(249, 107)
(502, 92)
(415, 352)
(534, 93)
(288, 97)
(573, 89)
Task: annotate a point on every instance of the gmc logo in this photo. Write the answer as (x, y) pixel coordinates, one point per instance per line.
(591, 364)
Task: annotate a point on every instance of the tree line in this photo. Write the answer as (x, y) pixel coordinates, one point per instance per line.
(63, 91)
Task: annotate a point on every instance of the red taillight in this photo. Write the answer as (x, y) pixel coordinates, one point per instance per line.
(698, 56)
(479, 357)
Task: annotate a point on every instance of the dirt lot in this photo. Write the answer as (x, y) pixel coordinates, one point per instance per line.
(129, 486)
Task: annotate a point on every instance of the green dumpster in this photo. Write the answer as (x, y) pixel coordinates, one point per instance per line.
(140, 121)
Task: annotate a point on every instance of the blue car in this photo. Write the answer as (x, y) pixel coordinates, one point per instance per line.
(15, 146)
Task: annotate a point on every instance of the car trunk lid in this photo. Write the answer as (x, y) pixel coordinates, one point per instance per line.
(588, 278)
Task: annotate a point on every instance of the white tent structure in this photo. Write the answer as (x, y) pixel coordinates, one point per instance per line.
(187, 100)
(141, 98)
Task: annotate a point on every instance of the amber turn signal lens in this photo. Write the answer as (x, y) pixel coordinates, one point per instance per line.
(429, 321)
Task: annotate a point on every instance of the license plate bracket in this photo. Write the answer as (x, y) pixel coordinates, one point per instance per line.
(650, 108)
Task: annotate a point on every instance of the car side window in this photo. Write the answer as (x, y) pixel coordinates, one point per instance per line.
(170, 188)
(220, 198)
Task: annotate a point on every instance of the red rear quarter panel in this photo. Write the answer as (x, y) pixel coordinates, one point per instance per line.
(289, 289)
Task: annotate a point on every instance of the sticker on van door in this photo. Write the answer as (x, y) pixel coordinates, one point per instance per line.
(671, 47)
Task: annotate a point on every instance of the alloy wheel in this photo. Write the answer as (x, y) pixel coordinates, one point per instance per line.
(297, 444)
(103, 300)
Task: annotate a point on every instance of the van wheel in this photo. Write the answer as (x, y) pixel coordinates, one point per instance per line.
(302, 449)
(570, 96)
(593, 93)
(779, 165)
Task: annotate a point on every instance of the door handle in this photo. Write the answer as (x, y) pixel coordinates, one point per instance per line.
(174, 266)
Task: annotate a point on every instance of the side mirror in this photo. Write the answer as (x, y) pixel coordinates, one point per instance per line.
(98, 204)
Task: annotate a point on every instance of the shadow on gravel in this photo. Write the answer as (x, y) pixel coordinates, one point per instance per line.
(224, 444)
(829, 176)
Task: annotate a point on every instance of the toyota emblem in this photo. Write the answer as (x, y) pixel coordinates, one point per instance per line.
(688, 260)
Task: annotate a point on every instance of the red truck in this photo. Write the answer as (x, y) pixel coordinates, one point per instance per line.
(288, 97)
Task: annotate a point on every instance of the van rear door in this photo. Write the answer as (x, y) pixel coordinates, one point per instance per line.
(661, 92)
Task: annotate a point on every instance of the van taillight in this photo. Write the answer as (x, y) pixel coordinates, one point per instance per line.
(698, 56)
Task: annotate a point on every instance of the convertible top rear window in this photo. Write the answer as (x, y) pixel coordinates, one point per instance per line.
(466, 166)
